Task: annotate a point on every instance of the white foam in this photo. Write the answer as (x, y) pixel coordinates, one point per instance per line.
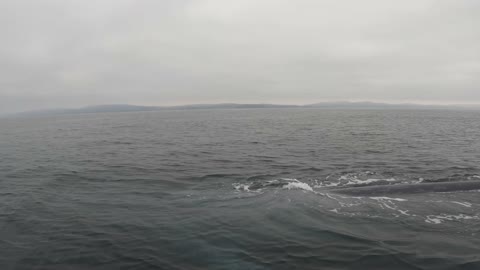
(292, 184)
(298, 185)
(353, 179)
(388, 199)
(288, 179)
(404, 212)
(440, 218)
(466, 204)
(433, 220)
(348, 180)
(241, 187)
(420, 180)
(368, 181)
(321, 185)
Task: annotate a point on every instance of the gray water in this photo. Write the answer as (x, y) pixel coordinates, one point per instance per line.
(238, 189)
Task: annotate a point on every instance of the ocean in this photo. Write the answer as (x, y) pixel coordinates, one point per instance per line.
(241, 189)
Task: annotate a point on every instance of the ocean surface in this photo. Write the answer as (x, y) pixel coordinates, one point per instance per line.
(239, 189)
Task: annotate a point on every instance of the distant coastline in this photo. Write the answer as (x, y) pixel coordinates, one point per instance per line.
(111, 108)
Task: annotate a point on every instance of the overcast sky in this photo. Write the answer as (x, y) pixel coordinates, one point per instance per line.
(70, 53)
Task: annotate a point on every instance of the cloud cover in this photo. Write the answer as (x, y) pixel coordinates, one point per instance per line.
(65, 53)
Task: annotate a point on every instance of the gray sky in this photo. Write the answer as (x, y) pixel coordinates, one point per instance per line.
(69, 53)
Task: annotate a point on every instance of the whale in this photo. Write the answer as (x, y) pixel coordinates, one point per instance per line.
(430, 187)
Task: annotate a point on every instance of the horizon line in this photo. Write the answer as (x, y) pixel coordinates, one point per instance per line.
(279, 104)
(339, 102)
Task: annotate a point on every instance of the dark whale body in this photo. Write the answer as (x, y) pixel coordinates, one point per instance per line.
(408, 188)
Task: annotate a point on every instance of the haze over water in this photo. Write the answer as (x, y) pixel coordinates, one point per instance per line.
(238, 189)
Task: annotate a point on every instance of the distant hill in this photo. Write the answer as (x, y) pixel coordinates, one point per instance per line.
(373, 105)
(230, 106)
(112, 108)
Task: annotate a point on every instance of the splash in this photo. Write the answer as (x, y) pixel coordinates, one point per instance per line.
(298, 185)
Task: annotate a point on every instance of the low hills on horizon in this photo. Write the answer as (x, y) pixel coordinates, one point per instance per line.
(111, 108)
